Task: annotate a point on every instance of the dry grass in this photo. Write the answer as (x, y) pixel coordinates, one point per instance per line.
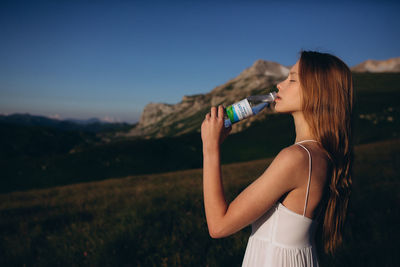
(158, 220)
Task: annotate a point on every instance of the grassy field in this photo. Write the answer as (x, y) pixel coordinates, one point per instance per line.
(158, 219)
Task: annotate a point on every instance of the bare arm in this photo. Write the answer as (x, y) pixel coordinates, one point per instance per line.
(257, 198)
(214, 198)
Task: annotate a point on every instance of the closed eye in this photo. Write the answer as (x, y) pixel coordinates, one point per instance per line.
(291, 80)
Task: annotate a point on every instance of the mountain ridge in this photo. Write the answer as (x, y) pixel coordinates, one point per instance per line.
(161, 120)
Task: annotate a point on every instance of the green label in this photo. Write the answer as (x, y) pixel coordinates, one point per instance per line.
(229, 112)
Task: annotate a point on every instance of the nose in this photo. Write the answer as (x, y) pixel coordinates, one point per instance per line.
(279, 86)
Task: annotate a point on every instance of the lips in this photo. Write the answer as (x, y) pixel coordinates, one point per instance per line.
(277, 98)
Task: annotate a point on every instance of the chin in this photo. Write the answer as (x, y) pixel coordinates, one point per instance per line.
(285, 109)
(281, 110)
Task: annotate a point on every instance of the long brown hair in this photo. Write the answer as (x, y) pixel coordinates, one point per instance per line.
(327, 99)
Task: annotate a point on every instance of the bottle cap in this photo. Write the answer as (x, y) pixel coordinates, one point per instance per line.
(273, 95)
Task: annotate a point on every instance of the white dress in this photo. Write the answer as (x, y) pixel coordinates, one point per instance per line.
(282, 237)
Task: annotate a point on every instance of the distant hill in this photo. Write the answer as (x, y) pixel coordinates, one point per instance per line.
(92, 125)
(374, 66)
(25, 136)
(23, 143)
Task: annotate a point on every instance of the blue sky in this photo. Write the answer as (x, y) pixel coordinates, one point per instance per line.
(108, 59)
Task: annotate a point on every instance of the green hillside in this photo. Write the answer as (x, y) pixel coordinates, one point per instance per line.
(37, 157)
(158, 219)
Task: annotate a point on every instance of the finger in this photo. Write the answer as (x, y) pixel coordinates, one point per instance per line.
(220, 112)
(207, 115)
(213, 112)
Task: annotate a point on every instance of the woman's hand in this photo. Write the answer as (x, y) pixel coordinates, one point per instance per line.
(213, 131)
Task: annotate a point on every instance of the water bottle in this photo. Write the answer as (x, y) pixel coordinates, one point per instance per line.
(247, 107)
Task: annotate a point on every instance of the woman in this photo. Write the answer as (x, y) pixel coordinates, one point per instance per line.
(306, 184)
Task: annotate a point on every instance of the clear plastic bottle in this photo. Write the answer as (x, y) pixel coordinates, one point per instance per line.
(247, 107)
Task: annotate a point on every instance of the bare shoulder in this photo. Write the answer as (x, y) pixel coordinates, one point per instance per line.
(293, 156)
(298, 155)
(288, 166)
(293, 162)
(299, 161)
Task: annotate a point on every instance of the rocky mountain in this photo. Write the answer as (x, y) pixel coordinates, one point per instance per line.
(160, 119)
(390, 65)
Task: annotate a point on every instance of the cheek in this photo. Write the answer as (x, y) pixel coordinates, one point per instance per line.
(295, 103)
(288, 105)
(296, 96)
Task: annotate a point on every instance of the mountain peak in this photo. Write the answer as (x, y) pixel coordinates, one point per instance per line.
(265, 68)
(389, 65)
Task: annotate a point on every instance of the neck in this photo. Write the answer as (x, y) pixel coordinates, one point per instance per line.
(303, 131)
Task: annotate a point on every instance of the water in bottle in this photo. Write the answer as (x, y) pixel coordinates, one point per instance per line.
(247, 107)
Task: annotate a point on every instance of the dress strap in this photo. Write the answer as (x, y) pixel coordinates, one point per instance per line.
(308, 140)
(309, 174)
